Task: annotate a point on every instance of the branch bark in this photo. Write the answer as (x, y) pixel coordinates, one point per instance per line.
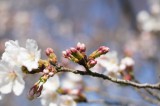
(105, 77)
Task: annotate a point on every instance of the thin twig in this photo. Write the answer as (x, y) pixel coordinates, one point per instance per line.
(105, 77)
(147, 98)
(149, 91)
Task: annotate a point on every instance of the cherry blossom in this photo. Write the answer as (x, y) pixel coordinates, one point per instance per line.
(109, 61)
(20, 56)
(11, 79)
(66, 100)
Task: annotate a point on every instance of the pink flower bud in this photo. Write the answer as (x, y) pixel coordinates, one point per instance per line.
(91, 63)
(73, 50)
(32, 92)
(103, 49)
(35, 91)
(66, 53)
(128, 77)
(81, 47)
(78, 46)
(49, 51)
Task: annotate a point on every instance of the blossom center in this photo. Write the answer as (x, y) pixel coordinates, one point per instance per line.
(68, 102)
(54, 96)
(31, 56)
(12, 75)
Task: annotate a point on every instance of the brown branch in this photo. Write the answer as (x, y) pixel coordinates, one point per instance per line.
(105, 77)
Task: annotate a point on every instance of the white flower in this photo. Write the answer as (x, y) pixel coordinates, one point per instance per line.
(31, 55)
(49, 95)
(11, 78)
(52, 83)
(109, 62)
(49, 98)
(128, 61)
(74, 77)
(66, 100)
(149, 22)
(12, 52)
(20, 56)
(72, 81)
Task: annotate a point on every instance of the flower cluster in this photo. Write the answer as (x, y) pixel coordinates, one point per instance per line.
(14, 57)
(78, 55)
(149, 21)
(50, 97)
(17, 61)
(113, 67)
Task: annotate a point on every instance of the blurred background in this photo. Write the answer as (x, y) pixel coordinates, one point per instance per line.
(121, 25)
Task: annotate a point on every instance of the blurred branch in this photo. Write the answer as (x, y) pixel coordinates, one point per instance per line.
(105, 77)
(101, 101)
(152, 93)
(147, 98)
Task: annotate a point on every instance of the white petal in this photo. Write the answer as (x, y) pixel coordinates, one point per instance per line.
(66, 100)
(68, 84)
(74, 77)
(31, 45)
(48, 97)
(3, 67)
(43, 102)
(52, 84)
(53, 104)
(30, 65)
(7, 88)
(18, 87)
(11, 45)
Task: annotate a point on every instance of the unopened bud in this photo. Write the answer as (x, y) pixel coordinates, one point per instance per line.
(91, 63)
(73, 50)
(35, 91)
(103, 49)
(128, 77)
(49, 51)
(81, 47)
(76, 54)
(64, 54)
(78, 46)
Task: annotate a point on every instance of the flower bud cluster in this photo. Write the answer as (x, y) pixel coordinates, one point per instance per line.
(49, 70)
(51, 55)
(78, 55)
(36, 90)
(75, 54)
